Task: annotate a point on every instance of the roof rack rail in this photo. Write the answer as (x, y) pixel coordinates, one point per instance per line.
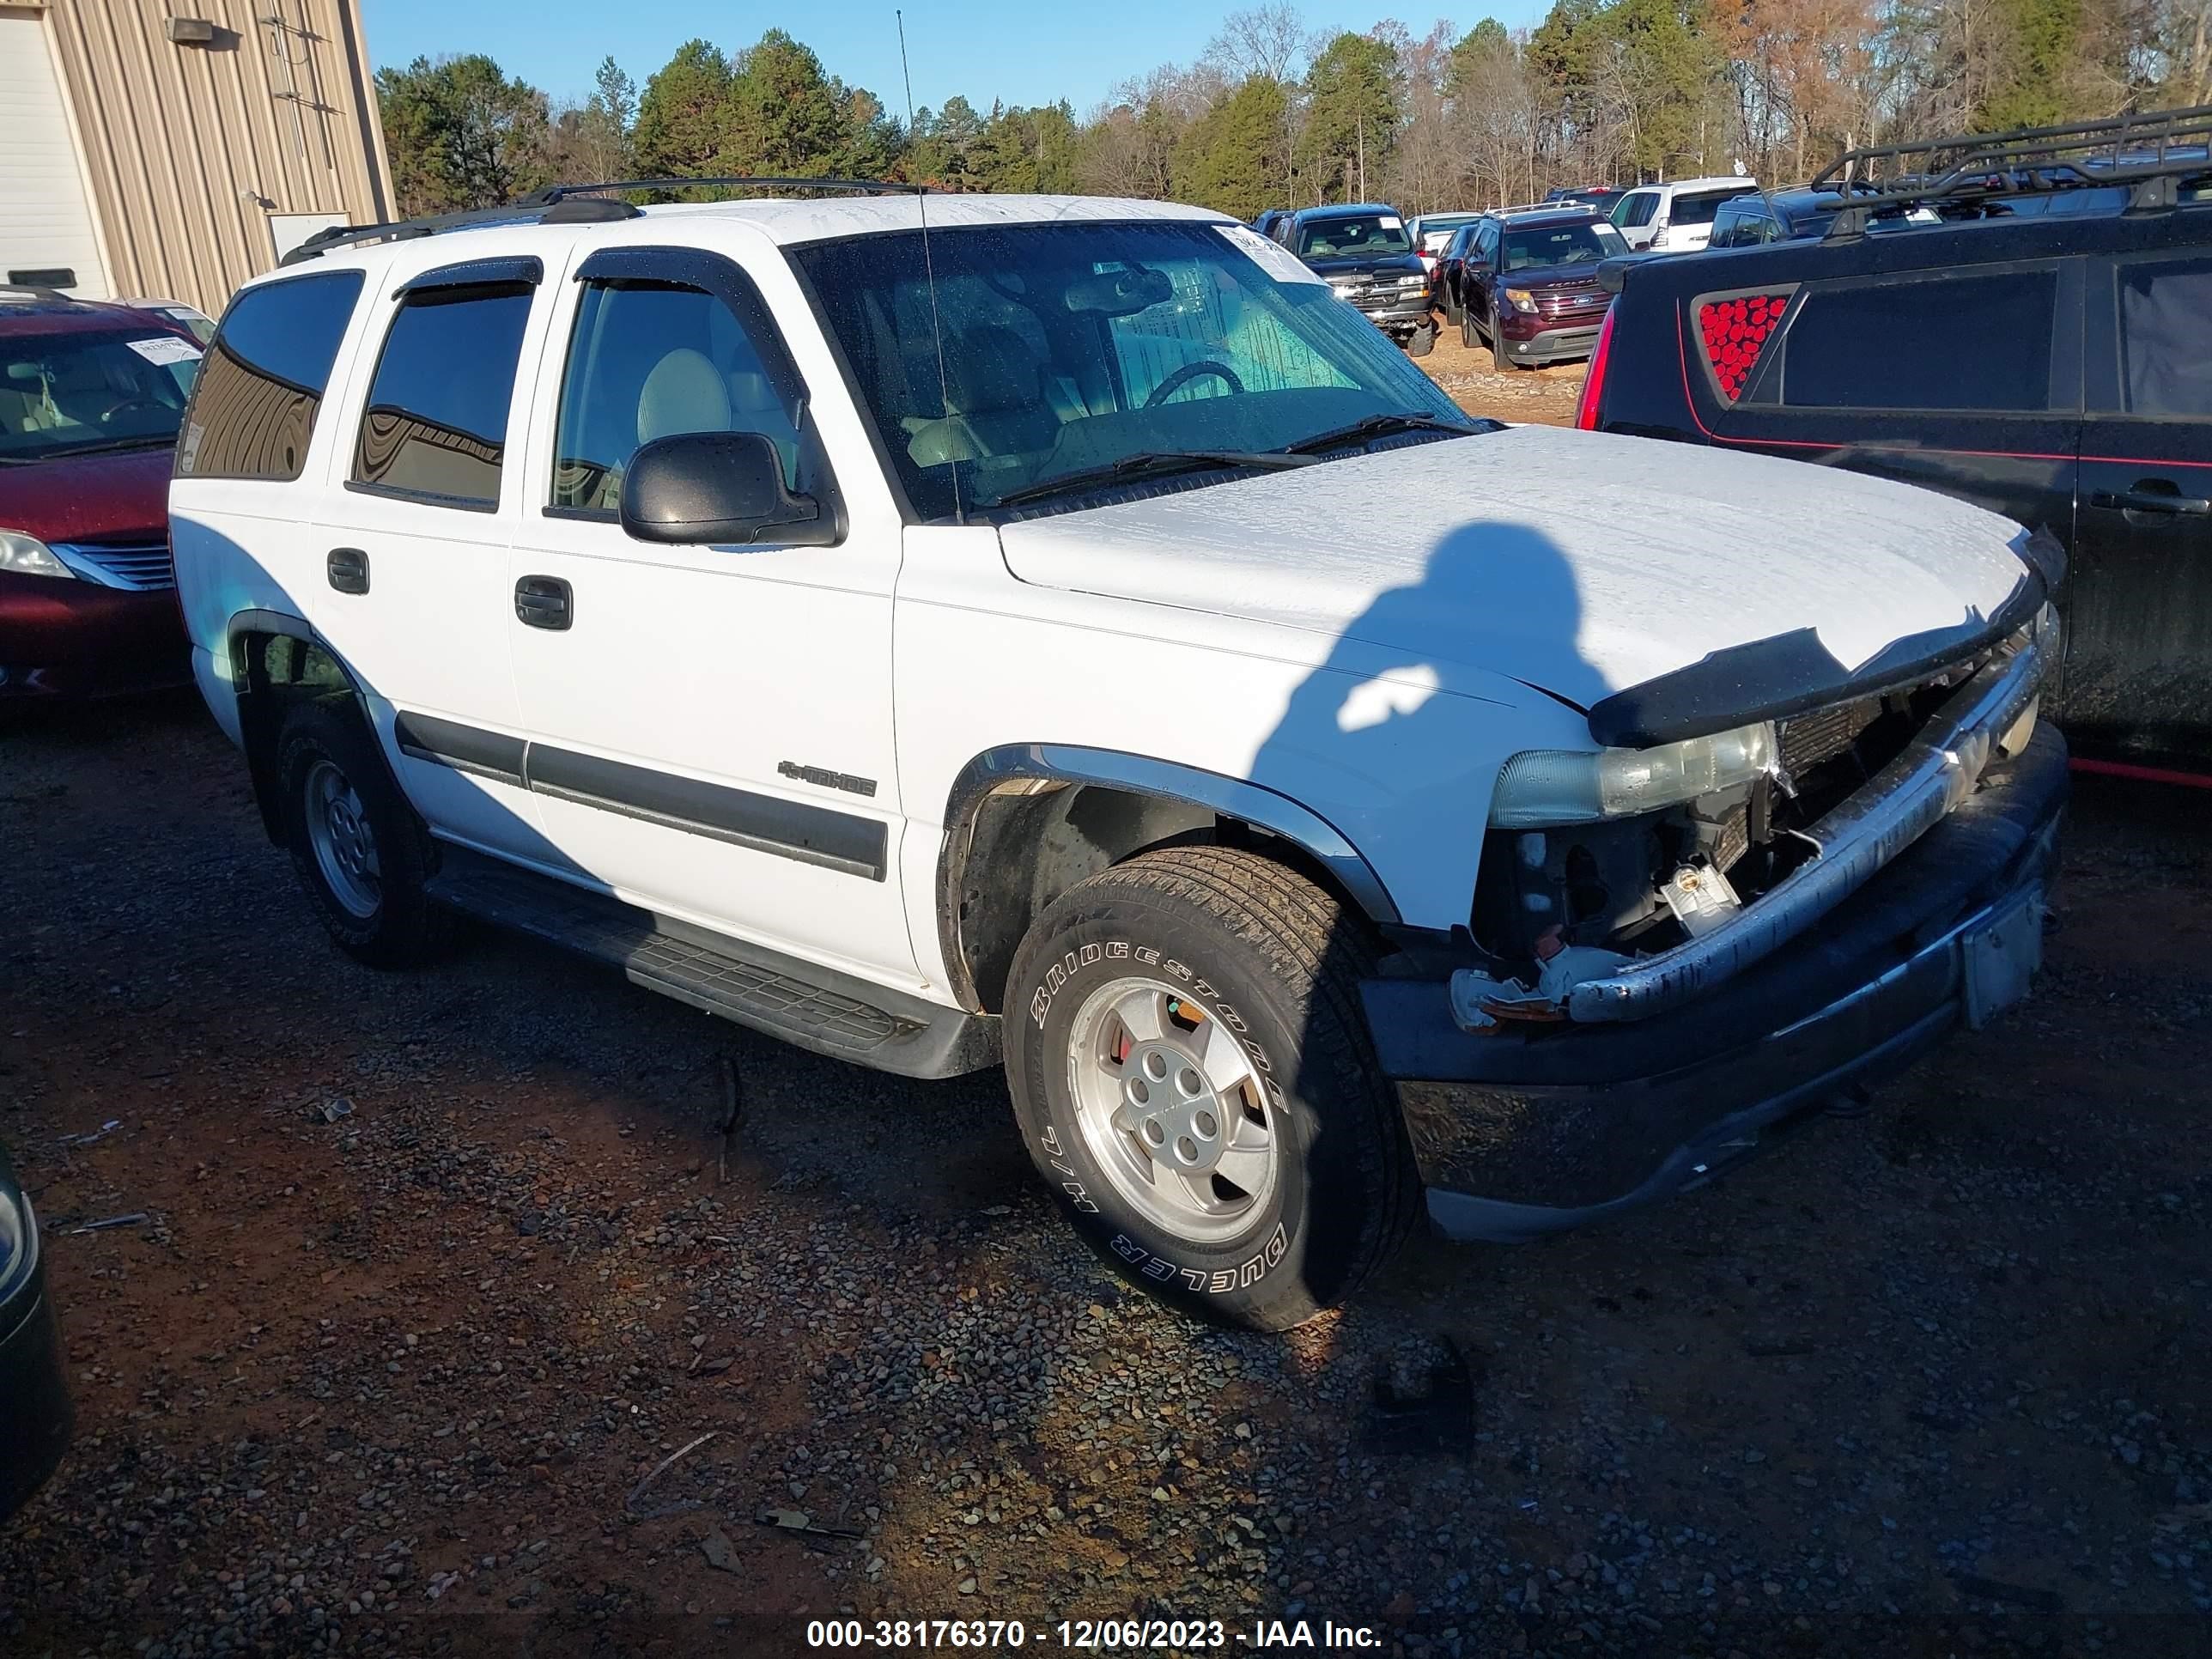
(558, 204)
(554, 194)
(38, 291)
(2150, 153)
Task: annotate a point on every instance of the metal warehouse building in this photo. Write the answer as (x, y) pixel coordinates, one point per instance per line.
(172, 149)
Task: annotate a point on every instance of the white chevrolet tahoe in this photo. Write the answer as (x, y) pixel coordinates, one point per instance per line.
(1062, 631)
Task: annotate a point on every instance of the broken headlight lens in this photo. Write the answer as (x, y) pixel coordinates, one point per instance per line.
(1539, 787)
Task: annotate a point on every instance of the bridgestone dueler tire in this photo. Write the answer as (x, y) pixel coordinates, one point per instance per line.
(1278, 961)
(407, 929)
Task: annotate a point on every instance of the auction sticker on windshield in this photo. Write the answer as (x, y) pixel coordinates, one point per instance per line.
(165, 349)
(1278, 261)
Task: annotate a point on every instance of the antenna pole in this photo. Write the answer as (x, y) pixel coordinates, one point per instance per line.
(929, 273)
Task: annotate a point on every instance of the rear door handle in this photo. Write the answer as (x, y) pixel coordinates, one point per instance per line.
(348, 567)
(2140, 500)
(544, 602)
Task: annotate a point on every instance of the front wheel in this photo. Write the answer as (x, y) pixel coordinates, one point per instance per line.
(360, 851)
(1192, 1074)
(1499, 355)
(1422, 341)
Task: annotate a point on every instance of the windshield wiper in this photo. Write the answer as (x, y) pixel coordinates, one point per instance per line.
(1381, 426)
(1149, 463)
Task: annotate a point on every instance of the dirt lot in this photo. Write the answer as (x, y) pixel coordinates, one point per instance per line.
(1539, 396)
(387, 1384)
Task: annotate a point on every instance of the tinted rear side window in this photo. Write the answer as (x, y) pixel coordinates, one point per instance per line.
(2166, 350)
(263, 381)
(1636, 208)
(1696, 209)
(436, 425)
(1979, 342)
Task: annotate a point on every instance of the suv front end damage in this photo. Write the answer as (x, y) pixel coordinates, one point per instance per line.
(1677, 947)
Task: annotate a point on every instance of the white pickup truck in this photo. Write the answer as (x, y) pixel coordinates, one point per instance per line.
(1062, 631)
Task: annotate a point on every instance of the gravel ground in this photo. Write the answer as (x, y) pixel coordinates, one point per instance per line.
(439, 1267)
(1539, 396)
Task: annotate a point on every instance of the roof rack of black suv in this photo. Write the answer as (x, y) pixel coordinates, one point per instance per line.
(558, 204)
(2150, 153)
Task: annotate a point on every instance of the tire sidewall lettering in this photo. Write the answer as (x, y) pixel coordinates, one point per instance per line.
(1074, 967)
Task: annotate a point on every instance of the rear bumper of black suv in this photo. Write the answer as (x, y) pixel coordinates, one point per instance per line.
(1530, 1136)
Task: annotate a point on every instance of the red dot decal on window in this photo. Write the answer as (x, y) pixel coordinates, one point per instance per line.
(1735, 331)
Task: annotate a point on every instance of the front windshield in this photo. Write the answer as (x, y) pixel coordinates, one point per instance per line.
(63, 393)
(1542, 247)
(1069, 346)
(1353, 237)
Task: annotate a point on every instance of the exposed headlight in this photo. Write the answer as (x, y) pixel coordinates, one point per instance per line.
(1412, 282)
(1520, 300)
(27, 556)
(1540, 787)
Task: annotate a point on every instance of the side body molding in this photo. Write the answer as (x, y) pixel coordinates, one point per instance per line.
(1026, 768)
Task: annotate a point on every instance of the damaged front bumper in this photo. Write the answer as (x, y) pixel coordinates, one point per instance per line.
(1550, 1126)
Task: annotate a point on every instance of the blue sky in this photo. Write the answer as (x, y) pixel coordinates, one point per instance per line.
(1017, 50)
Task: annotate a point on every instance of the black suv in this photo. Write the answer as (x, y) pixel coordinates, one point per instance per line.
(2041, 348)
(1363, 253)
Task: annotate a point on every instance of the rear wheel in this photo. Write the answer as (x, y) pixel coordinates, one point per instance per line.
(1192, 1073)
(1469, 336)
(359, 849)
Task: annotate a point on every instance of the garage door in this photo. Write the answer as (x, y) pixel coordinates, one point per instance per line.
(44, 225)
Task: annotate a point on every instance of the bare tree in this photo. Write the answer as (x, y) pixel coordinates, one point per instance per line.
(1271, 40)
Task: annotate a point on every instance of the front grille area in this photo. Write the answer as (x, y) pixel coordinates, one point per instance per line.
(142, 566)
(1573, 302)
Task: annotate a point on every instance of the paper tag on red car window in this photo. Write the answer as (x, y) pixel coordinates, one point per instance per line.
(165, 349)
(1278, 261)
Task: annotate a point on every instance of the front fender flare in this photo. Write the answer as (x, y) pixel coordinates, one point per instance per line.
(1013, 764)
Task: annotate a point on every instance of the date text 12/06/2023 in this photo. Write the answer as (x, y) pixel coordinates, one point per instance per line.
(1090, 1635)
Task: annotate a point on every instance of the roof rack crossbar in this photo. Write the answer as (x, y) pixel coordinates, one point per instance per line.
(566, 204)
(2137, 151)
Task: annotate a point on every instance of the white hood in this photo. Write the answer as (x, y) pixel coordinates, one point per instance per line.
(1578, 563)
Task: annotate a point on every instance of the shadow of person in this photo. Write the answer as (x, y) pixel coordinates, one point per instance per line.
(1385, 722)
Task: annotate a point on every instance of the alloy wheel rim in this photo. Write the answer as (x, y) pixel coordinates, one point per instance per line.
(1172, 1108)
(343, 845)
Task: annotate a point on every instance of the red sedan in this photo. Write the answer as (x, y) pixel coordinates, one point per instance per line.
(91, 399)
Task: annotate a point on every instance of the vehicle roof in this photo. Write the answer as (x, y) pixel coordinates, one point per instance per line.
(1907, 247)
(1344, 211)
(1550, 213)
(787, 221)
(1683, 186)
(1455, 215)
(24, 315)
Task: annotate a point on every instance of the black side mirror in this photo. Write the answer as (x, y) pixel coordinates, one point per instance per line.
(718, 487)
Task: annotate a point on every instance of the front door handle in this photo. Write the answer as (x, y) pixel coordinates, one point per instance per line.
(348, 569)
(544, 602)
(2151, 495)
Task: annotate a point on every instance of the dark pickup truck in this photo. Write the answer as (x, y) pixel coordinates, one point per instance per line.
(1363, 253)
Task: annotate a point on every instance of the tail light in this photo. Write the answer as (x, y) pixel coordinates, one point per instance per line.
(1586, 408)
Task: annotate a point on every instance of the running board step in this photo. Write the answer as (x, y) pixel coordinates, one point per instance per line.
(816, 1008)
